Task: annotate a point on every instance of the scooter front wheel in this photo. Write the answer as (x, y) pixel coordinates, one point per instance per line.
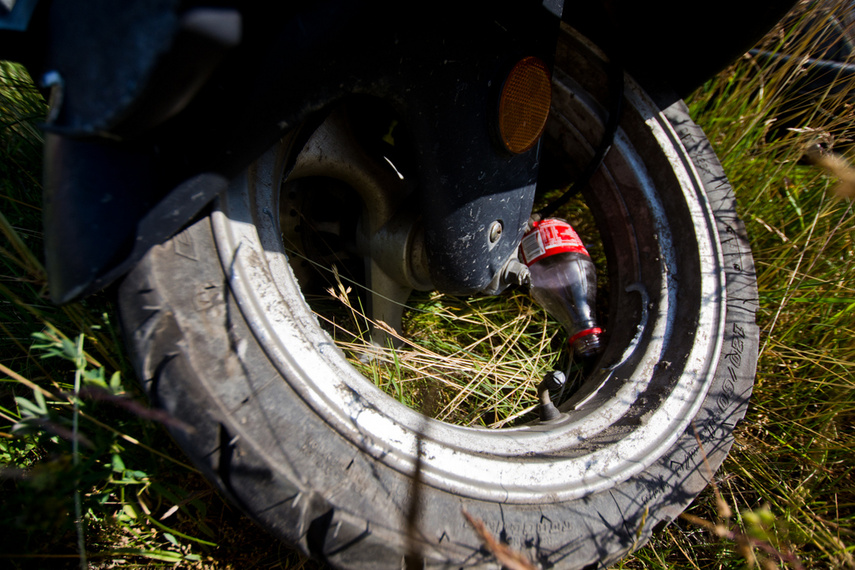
(223, 338)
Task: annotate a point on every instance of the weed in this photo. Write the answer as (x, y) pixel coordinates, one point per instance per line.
(87, 476)
(790, 473)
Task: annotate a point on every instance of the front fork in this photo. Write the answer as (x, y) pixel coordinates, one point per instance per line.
(390, 235)
(452, 219)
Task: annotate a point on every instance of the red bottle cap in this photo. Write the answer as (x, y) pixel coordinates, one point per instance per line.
(548, 237)
(584, 333)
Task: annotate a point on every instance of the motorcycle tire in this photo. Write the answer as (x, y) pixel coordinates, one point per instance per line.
(223, 339)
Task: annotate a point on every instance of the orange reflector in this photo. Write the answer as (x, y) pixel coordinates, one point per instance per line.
(524, 104)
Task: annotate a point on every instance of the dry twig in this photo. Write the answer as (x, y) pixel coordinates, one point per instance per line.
(507, 556)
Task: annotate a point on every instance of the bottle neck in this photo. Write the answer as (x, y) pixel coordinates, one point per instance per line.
(587, 342)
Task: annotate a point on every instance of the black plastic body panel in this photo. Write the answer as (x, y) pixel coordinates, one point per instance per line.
(672, 46)
(111, 160)
(440, 74)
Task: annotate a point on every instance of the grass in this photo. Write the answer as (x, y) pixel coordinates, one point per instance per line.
(792, 458)
(72, 438)
(80, 459)
(478, 361)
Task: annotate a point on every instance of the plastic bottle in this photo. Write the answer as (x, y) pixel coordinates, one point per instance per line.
(564, 282)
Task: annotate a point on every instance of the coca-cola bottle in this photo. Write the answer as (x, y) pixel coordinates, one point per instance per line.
(564, 282)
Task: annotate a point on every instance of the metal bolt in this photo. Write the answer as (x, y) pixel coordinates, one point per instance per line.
(495, 231)
(516, 273)
(512, 273)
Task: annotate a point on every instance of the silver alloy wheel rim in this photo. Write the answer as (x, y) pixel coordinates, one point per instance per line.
(526, 464)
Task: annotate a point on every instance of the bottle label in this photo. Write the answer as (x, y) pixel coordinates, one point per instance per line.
(548, 237)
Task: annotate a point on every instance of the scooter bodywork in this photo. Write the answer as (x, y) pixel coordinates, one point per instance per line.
(156, 104)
